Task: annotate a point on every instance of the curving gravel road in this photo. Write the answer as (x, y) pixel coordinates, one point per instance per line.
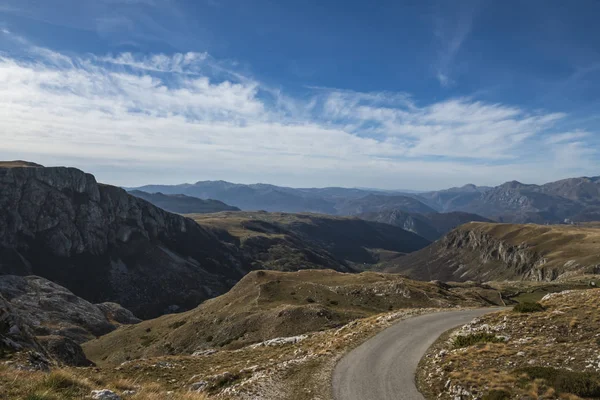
(383, 368)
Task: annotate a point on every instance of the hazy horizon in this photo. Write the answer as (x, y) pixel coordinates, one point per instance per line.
(307, 94)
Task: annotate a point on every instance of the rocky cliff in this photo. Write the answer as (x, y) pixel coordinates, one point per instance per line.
(106, 245)
(486, 252)
(40, 316)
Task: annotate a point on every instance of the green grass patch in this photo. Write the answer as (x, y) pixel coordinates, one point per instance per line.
(582, 384)
(476, 338)
(528, 307)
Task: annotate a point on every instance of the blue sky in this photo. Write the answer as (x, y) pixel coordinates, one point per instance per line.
(410, 94)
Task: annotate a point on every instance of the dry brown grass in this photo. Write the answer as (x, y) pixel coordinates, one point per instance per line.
(299, 371)
(269, 304)
(18, 164)
(563, 338)
(77, 383)
(557, 243)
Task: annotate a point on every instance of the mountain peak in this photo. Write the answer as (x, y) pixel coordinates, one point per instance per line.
(512, 185)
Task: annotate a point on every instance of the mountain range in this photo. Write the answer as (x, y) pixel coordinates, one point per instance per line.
(575, 199)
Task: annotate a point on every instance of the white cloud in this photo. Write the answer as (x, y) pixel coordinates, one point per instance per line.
(567, 137)
(178, 112)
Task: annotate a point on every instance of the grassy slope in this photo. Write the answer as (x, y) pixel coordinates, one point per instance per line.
(564, 337)
(565, 248)
(271, 304)
(557, 243)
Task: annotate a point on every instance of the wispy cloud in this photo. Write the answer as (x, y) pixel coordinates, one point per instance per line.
(567, 137)
(179, 111)
(452, 27)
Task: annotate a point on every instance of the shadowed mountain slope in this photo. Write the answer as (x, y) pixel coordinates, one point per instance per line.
(431, 226)
(284, 241)
(106, 245)
(182, 204)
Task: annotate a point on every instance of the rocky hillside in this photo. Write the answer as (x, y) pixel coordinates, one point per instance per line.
(290, 242)
(486, 252)
(106, 245)
(39, 315)
(268, 304)
(431, 226)
(182, 204)
(544, 351)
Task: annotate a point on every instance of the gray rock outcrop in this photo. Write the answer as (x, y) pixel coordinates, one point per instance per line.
(106, 245)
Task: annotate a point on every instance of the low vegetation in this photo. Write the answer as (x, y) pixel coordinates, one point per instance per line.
(549, 353)
(298, 369)
(582, 384)
(528, 307)
(476, 338)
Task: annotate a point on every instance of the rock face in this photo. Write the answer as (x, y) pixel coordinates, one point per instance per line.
(106, 245)
(43, 317)
(64, 350)
(485, 252)
(50, 309)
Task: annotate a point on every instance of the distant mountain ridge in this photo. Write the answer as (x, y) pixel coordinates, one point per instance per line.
(573, 199)
(182, 204)
(256, 197)
(576, 199)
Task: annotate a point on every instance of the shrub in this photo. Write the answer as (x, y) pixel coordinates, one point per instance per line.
(496, 395)
(528, 307)
(476, 338)
(41, 396)
(310, 300)
(582, 384)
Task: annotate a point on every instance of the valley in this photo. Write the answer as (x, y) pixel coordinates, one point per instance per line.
(166, 294)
